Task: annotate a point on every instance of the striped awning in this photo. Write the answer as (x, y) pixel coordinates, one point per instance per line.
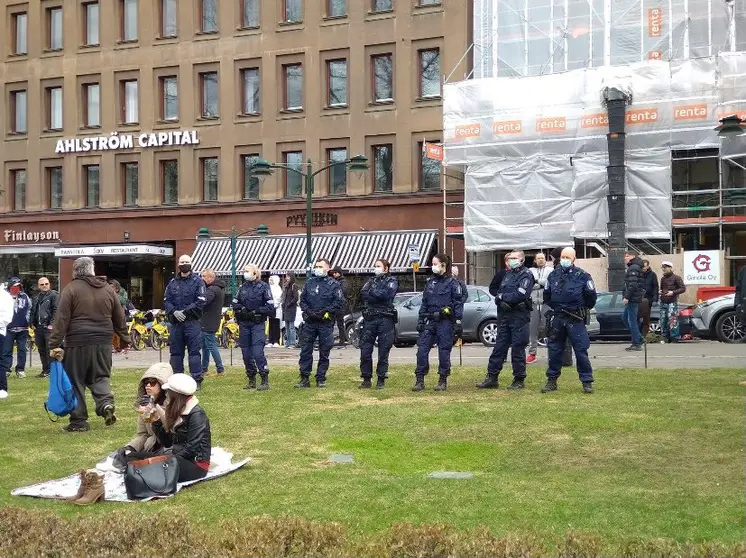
(215, 254)
(353, 252)
(358, 251)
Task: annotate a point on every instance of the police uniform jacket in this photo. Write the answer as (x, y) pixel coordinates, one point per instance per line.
(378, 292)
(442, 292)
(570, 289)
(322, 294)
(186, 294)
(516, 286)
(255, 296)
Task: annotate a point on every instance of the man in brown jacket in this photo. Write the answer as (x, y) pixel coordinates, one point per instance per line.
(670, 288)
(88, 315)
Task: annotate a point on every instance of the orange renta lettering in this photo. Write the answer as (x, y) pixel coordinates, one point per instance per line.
(598, 120)
(655, 22)
(468, 131)
(641, 116)
(551, 124)
(690, 112)
(507, 127)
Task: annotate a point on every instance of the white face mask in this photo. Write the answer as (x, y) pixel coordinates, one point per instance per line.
(378, 270)
(319, 272)
(248, 276)
(437, 270)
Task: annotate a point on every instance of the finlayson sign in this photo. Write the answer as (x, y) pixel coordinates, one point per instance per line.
(30, 236)
(116, 141)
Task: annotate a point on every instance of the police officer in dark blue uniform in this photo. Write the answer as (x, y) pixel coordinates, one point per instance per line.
(439, 320)
(570, 293)
(514, 303)
(320, 300)
(183, 303)
(252, 305)
(379, 317)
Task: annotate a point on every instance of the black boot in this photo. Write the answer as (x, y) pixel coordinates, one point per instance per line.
(489, 382)
(517, 384)
(419, 383)
(304, 382)
(264, 386)
(551, 385)
(381, 382)
(365, 384)
(442, 384)
(321, 383)
(252, 383)
(587, 387)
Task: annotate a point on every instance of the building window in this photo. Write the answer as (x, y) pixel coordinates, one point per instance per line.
(91, 24)
(54, 181)
(170, 178)
(429, 72)
(336, 71)
(54, 108)
(383, 168)
(293, 90)
(250, 183)
(18, 112)
(169, 98)
(18, 179)
(169, 24)
(429, 3)
(251, 91)
(429, 172)
(91, 105)
(129, 20)
(92, 185)
(210, 179)
(336, 8)
(292, 11)
(131, 182)
(20, 33)
(383, 5)
(210, 93)
(383, 77)
(293, 180)
(129, 102)
(337, 173)
(54, 28)
(250, 14)
(209, 16)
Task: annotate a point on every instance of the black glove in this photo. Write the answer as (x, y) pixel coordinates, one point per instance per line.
(505, 307)
(306, 316)
(458, 329)
(435, 316)
(420, 326)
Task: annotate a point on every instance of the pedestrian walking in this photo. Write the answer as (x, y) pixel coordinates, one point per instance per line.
(379, 319)
(17, 330)
(634, 290)
(649, 297)
(570, 293)
(43, 311)
(6, 316)
(337, 275)
(184, 302)
(88, 315)
(514, 304)
(210, 320)
(275, 320)
(320, 301)
(464, 290)
(671, 287)
(540, 271)
(439, 320)
(290, 295)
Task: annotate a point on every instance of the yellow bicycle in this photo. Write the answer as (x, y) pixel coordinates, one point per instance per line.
(159, 335)
(138, 330)
(227, 333)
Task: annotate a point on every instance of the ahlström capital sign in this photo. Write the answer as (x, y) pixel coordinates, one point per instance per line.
(116, 141)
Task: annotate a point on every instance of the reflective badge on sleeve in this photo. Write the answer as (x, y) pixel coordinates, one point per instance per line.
(591, 286)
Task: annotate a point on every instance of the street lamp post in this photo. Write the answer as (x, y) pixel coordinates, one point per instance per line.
(234, 234)
(261, 169)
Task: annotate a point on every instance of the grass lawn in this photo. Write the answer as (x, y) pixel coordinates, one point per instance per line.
(653, 453)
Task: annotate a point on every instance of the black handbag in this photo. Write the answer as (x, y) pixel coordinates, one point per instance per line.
(155, 476)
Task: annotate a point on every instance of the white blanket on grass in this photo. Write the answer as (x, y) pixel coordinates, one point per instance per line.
(221, 463)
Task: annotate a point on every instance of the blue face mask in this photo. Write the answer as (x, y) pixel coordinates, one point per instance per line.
(565, 263)
(514, 264)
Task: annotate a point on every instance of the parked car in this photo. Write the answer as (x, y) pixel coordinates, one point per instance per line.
(609, 309)
(716, 319)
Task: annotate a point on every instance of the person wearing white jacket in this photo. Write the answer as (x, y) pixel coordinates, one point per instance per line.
(540, 271)
(275, 324)
(6, 315)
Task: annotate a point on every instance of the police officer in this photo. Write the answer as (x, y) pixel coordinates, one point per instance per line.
(320, 300)
(252, 305)
(183, 303)
(439, 320)
(514, 302)
(570, 293)
(379, 317)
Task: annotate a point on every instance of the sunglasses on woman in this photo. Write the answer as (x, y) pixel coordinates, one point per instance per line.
(151, 382)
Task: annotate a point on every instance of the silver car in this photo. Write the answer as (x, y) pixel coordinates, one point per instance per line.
(716, 318)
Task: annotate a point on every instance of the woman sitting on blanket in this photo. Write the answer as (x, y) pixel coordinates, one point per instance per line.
(151, 387)
(182, 427)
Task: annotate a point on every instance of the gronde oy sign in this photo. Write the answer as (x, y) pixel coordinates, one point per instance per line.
(116, 141)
